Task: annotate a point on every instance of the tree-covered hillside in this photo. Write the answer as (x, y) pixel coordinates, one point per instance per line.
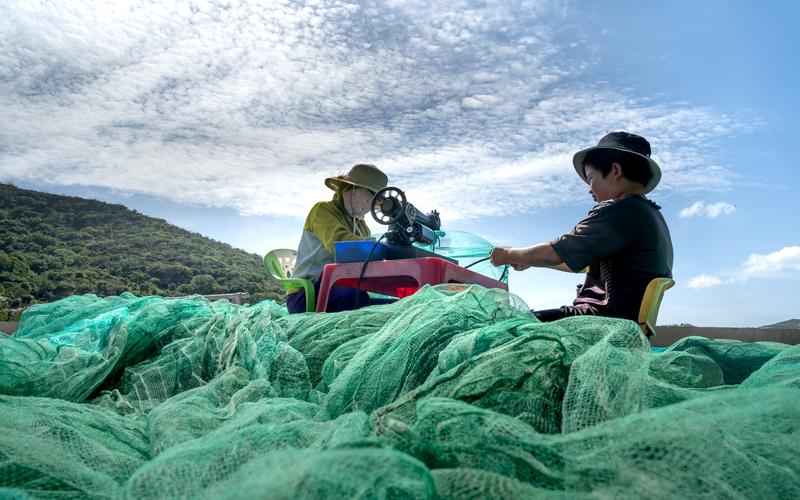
(53, 246)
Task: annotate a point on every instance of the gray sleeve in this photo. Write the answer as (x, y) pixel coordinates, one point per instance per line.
(604, 232)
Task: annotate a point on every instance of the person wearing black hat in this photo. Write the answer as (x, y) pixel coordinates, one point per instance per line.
(340, 219)
(623, 242)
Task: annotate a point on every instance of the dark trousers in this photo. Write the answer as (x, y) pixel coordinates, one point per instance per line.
(546, 315)
(341, 298)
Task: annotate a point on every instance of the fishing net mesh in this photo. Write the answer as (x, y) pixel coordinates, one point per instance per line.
(444, 394)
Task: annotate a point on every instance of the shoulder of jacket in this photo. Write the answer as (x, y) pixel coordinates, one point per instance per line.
(325, 207)
(323, 211)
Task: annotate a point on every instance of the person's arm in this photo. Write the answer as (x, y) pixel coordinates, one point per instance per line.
(603, 232)
(560, 267)
(541, 255)
(564, 267)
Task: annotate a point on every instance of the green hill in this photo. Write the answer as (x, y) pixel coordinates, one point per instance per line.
(53, 246)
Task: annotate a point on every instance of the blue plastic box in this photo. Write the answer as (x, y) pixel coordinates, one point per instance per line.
(359, 251)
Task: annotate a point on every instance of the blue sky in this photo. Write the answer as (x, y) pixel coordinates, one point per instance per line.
(225, 117)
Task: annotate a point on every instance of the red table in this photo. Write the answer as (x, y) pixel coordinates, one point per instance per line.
(398, 278)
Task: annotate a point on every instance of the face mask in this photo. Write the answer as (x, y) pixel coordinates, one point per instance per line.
(356, 204)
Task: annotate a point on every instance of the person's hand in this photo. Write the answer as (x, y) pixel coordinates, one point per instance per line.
(500, 256)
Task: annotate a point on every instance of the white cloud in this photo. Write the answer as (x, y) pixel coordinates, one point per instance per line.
(783, 263)
(251, 105)
(705, 281)
(711, 210)
(480, 101)
(785, 260)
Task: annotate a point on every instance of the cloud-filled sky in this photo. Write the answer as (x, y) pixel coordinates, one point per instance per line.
(782, 263)
(711, 210)
(247, 104)
(474, 108)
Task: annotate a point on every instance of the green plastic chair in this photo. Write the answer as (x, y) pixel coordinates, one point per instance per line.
(651, 302)
(280, 265)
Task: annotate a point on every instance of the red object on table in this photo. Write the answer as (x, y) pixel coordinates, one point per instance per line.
(398, 278)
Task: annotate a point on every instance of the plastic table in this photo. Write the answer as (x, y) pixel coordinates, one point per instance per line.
(398, 278)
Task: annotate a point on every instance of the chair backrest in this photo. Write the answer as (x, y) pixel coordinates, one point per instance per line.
(280, 263)
(651, 302)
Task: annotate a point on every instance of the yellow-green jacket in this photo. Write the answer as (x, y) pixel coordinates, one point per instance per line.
(326, 223)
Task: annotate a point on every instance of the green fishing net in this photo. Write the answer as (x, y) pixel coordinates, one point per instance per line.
(468, 250)
(444, 394)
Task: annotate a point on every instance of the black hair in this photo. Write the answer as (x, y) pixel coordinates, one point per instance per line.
(634, 168)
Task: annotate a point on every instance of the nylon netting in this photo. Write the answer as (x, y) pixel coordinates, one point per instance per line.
(449, 393)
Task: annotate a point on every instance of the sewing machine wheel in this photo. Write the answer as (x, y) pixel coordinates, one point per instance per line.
(388, 205)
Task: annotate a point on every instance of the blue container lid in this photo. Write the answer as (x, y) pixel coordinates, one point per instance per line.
(359, 251)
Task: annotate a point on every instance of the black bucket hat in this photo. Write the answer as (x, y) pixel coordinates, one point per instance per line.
(626, 142)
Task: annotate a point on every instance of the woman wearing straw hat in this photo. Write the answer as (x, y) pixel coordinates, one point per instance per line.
(340, 219)
(624, 240)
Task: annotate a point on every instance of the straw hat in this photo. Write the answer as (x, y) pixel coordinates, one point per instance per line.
(361, 175)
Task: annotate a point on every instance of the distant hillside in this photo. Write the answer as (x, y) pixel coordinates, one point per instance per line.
(789, 323)
(53, 246)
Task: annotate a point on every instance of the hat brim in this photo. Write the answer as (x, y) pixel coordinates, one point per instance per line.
(655, 170)
(340, 181)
